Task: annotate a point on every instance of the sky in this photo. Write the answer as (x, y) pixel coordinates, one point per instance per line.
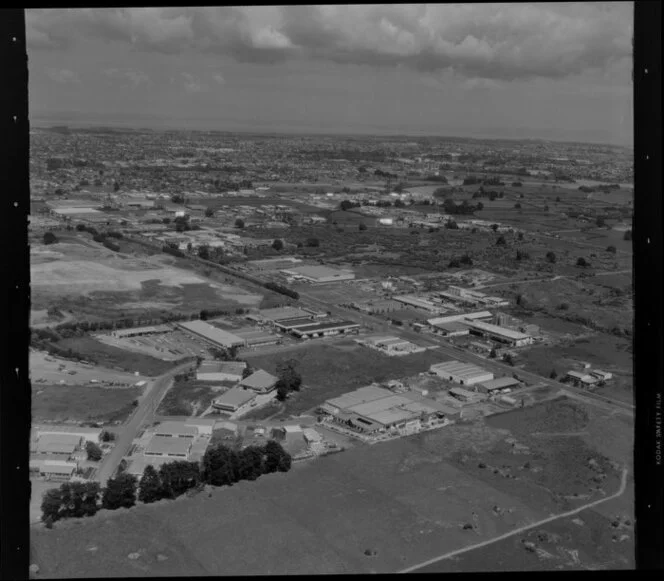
(559, 71)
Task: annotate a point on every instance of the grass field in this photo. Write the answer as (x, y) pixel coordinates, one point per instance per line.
(329, 370)
(187, 398)
(112, 357)
(82, 403)
(403, 502)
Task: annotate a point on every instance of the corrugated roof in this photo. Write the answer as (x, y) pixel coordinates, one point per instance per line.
(211, 333)
(280, 313)
(458, 368)
(363, 394)
(496, 330)
(175, 428)
(500, 382)
(235, 397)
(166, 445)
(259, 380)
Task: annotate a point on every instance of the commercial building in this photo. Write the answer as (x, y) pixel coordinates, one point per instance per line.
(279, 263)
(498, 385)
(176, 430)
(86, 434)
(461, 373)
(452, 329)
(325, 329)
(260, 382)
(391, 345)
(221, 370)
(319, 274)
(601, 375)
(418, 303)
(582, 379)
(213, 335)
(167, 447)
(235, 400)
(57, 472)
(256, 337)
(140, 331)
(204, 426)
(499, 334)
(58, 444)
(281, 313)
(373, 409)
(480, 315)
(379, 306)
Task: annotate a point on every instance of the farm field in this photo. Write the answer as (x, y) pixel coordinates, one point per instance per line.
(60, 403)
(387, 507)
(331, 369)
(108, 356)
(91, 282)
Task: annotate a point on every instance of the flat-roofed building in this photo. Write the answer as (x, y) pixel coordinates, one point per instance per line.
(419, 303)
(255, 337)
(279, 263)
(164, 446)
(204, 426)
(479, 315)
(60, 444)
(379, 306)
(260, 382)
(325, 329)
(140, 331)
(234, 400)
(178, 430)
(465, 395)
(213, 335)
(461, 373)
(497, 385)
(281, 313)
(221, 371)
(57, 472)
(601, 375)
(500, 334)
(87, 434)
(320, 274)
(451, 329)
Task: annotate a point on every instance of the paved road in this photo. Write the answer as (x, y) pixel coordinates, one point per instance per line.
(621, 490)
(142, 415)
(454, 352)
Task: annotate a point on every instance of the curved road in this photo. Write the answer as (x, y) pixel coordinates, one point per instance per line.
(621, 490)
(142, 414)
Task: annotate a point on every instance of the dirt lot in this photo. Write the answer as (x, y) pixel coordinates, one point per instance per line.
(111, 357)
(331, 369)
(45, 369)
(60, 403)
(88, 281)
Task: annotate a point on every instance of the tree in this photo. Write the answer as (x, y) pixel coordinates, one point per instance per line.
(313, 242)
(278, 245)
(107, 436)
(451, 225)
(501, 241)
(627, 235)
(178, 477)
(51, 505)
(520, 236)
(150, 486)
(204, 252)
(467, 260)
(93, 451)
(399, 203)
(551, 257)
(120, 492)
(246, 372)
(116, 186)
(288, 374)
(276, 458)
(346, 205)
(239, 223)
(507, 358)
(80, 227)
(220, 466)
(517, 205)
(209, 212)
(454, 263)
(480, 206)
(250, 463)
(177, 199)
(582, 262)
(611, 249)
(50, 238)
(492, 353)
(553, 374)
(362, 226)
(495, 227)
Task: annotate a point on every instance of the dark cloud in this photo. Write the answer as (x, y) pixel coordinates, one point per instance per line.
(491, 41)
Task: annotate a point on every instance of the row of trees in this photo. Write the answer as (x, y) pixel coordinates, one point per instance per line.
(284, 290)
(221, 466)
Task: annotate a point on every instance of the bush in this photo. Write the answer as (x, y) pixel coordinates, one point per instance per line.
(239, 223)
(627, 235)
(611, 249)
(582, 262)
(50, 238)
(93, 451)
(501, 241)
(313, 242)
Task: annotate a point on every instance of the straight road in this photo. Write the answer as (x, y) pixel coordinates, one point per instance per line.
(621, 490)
(445, 348)
(142, 415)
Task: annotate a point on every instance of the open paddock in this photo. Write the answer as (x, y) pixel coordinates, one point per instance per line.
(61, 403)
(190, 397)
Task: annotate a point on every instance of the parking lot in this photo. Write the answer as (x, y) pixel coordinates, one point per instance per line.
(165, 346)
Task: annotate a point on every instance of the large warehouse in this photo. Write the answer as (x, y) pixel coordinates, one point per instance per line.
(319, 274)
(218, 337)
(374, 409)
(234, 400)
(500, 334)
(282, 313)
(221, 370)
(461, 373)
(325, 329)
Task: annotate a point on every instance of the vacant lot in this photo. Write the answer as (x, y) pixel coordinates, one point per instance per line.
(328, 370)
(188, 398)
(60, 403)
(109, 356)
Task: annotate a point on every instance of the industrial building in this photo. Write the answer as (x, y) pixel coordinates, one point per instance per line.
(316, 274)
(279, 263)
(86, 434)
(58, 444)
(499, 334)
(418, 303)
(374, 409)
(235, 401)
(57, 472)
(582, 379)
(461, 373)
(167, 447)
(213, 335)
(141, 331)
(480, 315)
(451, 329)
(601, 375)
(281, 313)
(176, 430)
(256, 337)
(221, 370)
(325, 329)
(465, 395)
(498, 385)
(391, 345)
(260, 382)
(379, 306)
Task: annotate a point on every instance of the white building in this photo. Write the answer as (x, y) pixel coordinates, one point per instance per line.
(461, 373)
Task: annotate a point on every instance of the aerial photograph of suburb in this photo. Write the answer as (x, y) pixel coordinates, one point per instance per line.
(339, 289)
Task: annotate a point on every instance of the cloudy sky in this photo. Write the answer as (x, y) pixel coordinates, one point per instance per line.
(549, 70)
